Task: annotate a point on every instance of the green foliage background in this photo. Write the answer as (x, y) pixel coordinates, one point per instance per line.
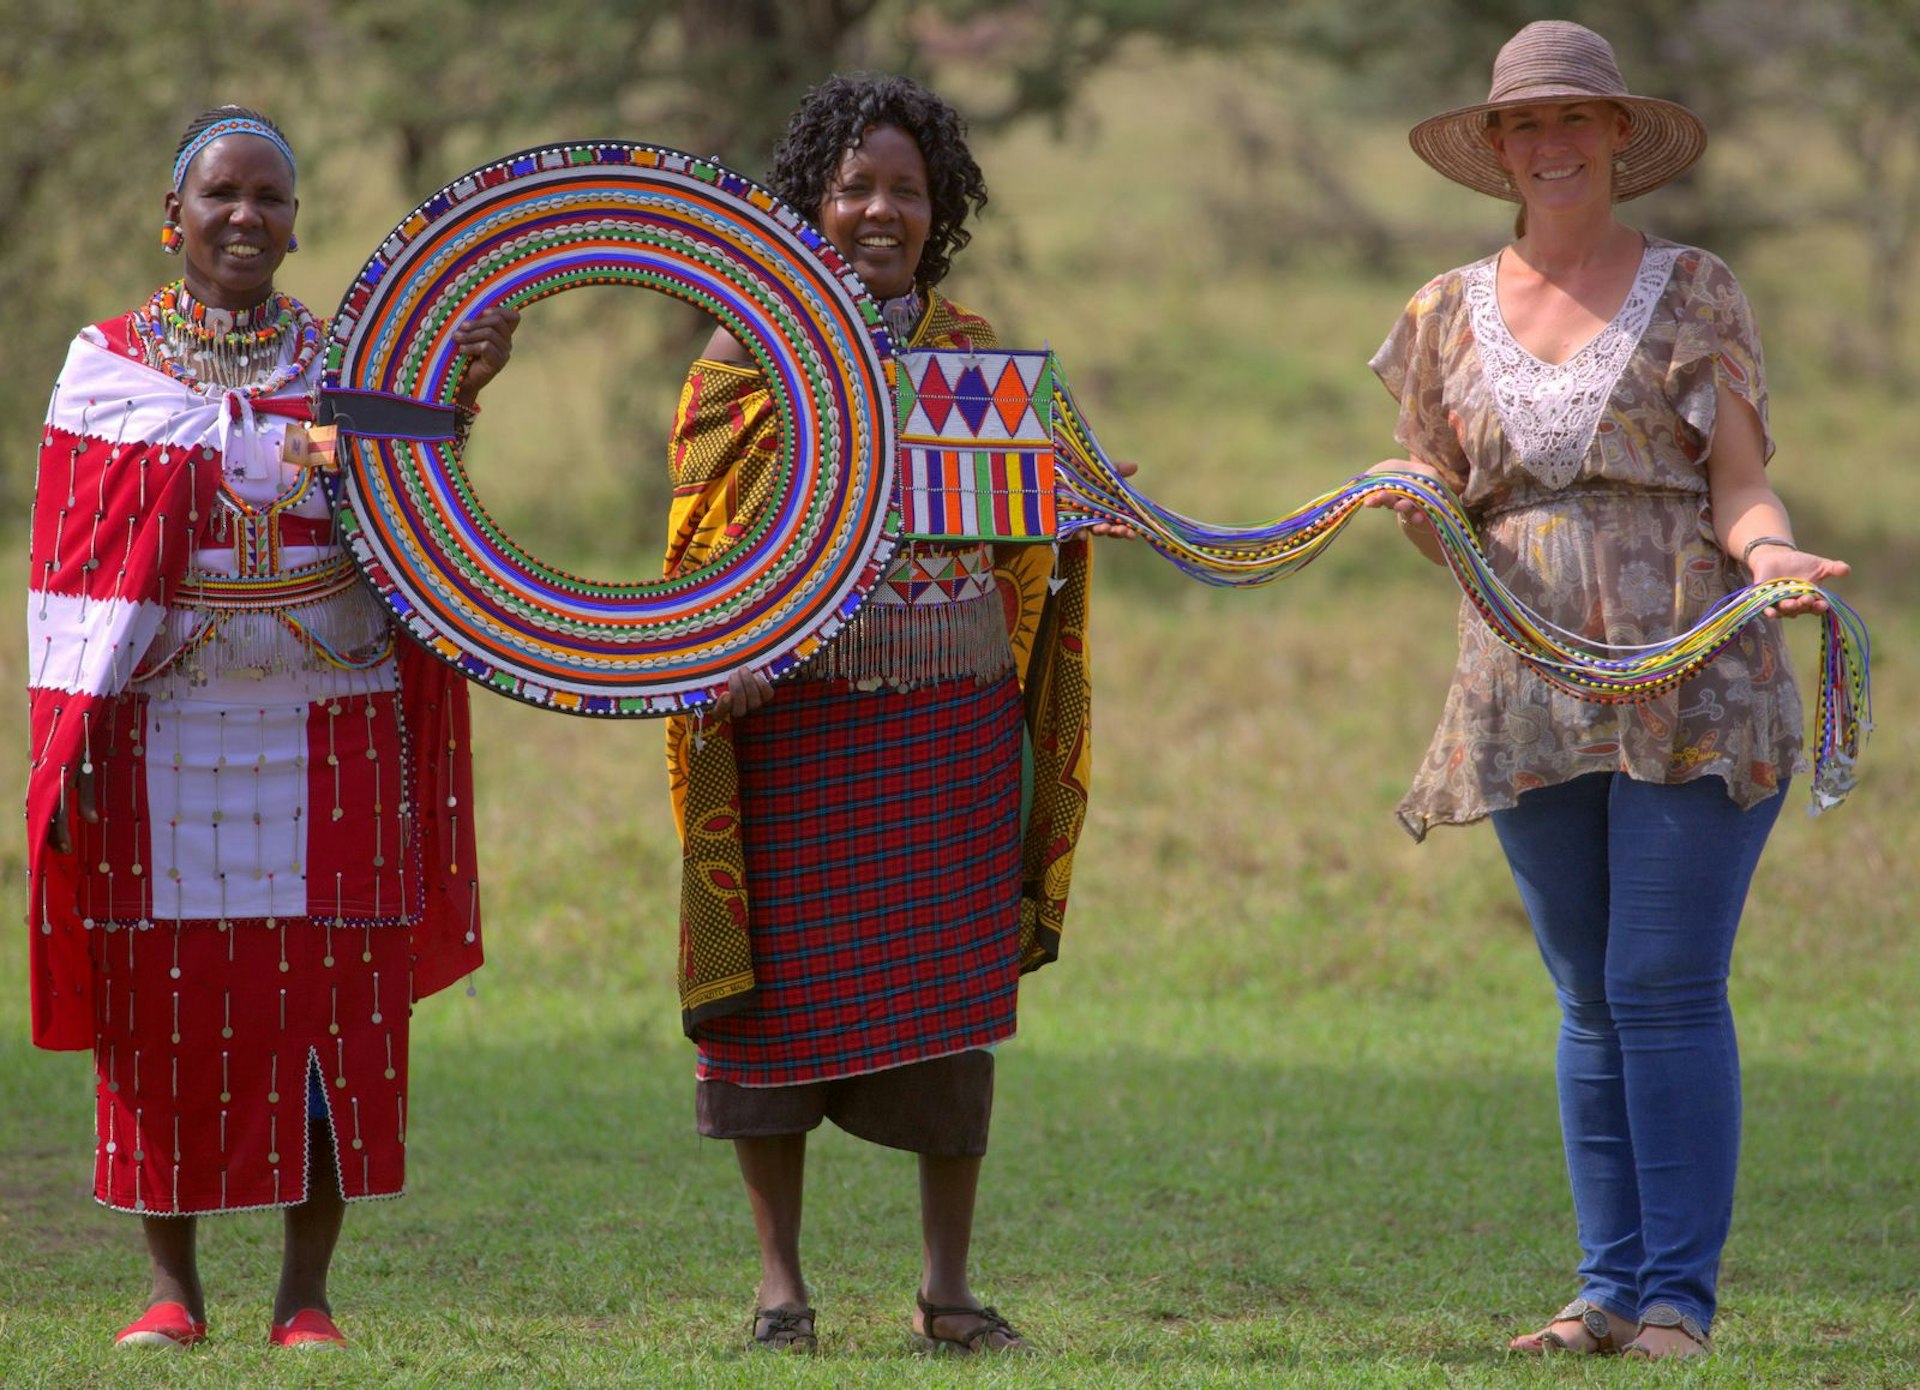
(1283, 1113)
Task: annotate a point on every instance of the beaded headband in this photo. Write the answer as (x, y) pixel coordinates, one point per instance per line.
(236, 125)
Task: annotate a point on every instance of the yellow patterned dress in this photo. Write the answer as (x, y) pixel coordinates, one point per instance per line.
(794, 964)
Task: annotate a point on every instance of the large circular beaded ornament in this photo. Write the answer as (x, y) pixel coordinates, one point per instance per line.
(607, 213)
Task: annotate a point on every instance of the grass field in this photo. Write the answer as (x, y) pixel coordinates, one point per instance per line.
(1283, 1113)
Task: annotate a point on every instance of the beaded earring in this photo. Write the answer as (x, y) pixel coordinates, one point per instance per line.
(293, 244)
(171, 239)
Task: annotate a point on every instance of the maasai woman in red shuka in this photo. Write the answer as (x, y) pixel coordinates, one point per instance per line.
(859, 896)
(248, 815)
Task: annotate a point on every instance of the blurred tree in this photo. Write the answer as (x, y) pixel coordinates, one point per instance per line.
(1857, 66)
(422, 73)
(718, 76)
(93, 94)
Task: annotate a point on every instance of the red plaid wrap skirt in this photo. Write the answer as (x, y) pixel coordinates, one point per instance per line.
(882, 838)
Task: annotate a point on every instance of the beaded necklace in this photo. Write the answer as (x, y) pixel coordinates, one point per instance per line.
(209, 350)
(902, 314)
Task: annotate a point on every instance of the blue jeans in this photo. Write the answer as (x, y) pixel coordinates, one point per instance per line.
(1635, 891)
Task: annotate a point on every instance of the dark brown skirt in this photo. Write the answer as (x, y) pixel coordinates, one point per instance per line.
(940, 1107)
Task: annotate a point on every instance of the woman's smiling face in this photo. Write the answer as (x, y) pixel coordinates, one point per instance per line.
(878, 209)
(1560, 153)
(235, 211)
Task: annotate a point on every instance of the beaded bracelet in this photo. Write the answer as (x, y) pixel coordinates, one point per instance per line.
(1746, 555)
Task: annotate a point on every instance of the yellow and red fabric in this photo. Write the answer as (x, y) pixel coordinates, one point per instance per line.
(725, 438)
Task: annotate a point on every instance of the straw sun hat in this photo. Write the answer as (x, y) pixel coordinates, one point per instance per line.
(1555, 61)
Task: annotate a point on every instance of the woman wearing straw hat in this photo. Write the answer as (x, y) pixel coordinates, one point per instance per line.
(1596, 397)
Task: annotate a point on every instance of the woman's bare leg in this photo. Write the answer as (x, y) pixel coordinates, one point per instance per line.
(947, 1189)
(312, 1230)
(774, 1169)
(176, 1266)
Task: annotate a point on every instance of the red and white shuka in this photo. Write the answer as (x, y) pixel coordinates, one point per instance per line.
(283, 861)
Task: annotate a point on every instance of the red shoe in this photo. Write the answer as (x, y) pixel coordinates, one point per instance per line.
(307, 1328)
(163, 1325)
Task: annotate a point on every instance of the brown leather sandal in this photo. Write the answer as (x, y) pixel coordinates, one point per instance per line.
(781, 1329)
(1593, 1321)
(979, 1340)
(1666, 1315)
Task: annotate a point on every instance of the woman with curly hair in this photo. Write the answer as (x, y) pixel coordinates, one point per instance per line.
(862, 885)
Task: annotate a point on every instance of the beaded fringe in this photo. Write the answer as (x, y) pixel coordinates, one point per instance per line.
(903, 646)
(195, 646)
(229, 366)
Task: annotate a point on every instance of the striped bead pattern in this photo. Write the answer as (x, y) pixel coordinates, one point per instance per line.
(560, 217)
(1090, 490)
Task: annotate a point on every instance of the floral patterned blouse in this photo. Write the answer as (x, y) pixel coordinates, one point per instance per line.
(1587, 482)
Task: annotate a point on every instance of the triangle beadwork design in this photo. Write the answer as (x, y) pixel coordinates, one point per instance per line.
(972, 398)
(936, 397)
(905, 398)
(1012, 397)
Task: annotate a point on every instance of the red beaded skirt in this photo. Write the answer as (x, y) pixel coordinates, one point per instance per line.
(205, 1040)
(249, 887)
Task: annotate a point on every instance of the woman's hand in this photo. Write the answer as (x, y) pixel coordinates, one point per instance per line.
(486, 341)
(746, 692)
(1414, 523)
(60, 828)
(1408, 512)
(1119, 530)
(1768, 562)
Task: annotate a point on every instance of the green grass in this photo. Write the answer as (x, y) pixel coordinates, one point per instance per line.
(1282, 1115)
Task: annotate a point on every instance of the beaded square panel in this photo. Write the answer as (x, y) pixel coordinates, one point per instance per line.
(975, 433)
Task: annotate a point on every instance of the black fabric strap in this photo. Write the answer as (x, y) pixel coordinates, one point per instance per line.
(379, 415)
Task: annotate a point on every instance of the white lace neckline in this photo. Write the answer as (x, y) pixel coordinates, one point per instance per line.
(1551, 411)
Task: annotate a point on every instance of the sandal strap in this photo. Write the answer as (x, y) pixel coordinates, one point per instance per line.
(1592, 1317)
(779, 1320)
(1666, 1315)
(1593, 1321)
(1579, 1308)
(783, 1315)
(991, 1320)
